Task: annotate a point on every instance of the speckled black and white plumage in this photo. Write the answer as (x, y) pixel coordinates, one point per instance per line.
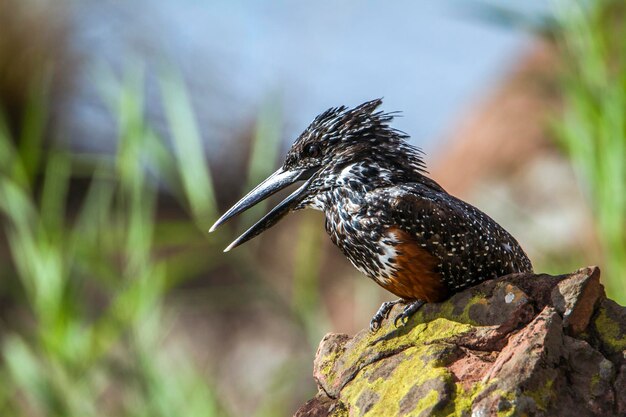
(371, 180)
(395, 224)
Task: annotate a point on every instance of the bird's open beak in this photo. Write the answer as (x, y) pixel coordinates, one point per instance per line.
(274, 183)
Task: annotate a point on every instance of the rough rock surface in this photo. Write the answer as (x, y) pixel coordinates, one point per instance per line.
(535, 345)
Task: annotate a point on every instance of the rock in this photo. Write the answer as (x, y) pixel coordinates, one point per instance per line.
(575, 298)
(524, 344)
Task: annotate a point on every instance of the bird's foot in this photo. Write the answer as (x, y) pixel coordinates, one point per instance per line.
(410, 309)
(382, 313)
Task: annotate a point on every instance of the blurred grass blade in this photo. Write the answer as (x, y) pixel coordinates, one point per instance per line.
(10, 162)
(54, 194)
(306, 276)
(33, 129)
(25, 370)
(190, 154)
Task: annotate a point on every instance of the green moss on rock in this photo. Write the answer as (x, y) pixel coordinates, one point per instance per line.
(610, 331)
(393, 389)
(499, 349)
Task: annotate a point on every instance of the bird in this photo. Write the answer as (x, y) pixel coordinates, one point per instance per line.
(395, 224)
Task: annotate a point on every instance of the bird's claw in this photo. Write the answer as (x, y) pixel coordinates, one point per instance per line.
(375, 324)
(410, 309)
(381, 314)
(401, 319)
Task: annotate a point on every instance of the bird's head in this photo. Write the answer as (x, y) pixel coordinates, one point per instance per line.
(341, 147)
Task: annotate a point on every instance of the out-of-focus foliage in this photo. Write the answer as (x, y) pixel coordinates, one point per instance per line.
(88, 336)
(88, 281)
(592, 39)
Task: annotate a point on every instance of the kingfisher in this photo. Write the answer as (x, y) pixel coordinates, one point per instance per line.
(394, 223)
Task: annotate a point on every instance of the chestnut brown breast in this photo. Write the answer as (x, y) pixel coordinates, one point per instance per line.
(415, 275)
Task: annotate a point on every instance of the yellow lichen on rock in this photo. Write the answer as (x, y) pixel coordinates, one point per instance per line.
(609, 329)
(520, 345)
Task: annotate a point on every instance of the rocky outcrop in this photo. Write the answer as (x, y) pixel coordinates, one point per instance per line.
(519, 345)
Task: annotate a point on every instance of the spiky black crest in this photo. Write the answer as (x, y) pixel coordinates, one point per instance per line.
(340, 136)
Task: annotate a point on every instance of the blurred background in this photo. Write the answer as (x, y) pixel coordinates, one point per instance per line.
(127, 127)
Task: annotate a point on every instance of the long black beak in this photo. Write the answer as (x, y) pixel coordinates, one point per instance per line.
(274, 183)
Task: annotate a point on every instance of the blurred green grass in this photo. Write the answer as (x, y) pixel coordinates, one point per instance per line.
(91, 338)
(68, 358)
(591, 38)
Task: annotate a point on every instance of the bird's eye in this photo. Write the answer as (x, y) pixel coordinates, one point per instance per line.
(312, 150)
